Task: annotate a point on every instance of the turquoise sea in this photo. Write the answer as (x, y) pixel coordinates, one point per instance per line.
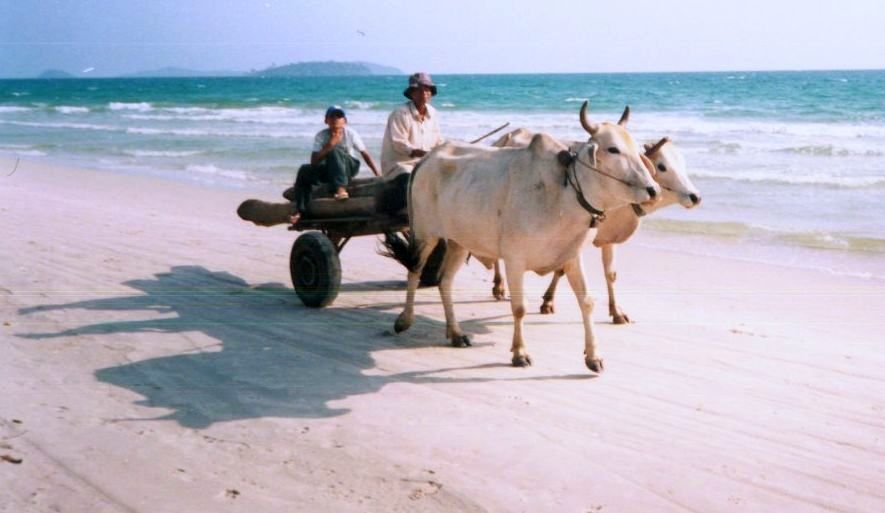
(791, 165)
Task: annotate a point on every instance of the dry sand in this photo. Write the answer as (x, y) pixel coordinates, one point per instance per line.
(153, 358)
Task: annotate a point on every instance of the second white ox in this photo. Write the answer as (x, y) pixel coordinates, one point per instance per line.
(622, 222)
(531, 207)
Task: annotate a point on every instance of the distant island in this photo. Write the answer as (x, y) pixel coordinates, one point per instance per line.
(55, 73)
(296, 69)
(326, 69)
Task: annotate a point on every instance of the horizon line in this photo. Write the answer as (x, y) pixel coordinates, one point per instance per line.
(237, 73)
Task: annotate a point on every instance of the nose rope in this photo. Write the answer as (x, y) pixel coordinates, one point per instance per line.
(603, 173)
(598, 215)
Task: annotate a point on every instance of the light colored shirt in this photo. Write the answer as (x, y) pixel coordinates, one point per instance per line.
(406, 132)
(351, 141)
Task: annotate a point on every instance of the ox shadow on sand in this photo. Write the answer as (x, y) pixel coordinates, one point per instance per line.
(274, 357)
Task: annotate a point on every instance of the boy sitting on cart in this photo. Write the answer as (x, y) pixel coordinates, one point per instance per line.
(333, 161)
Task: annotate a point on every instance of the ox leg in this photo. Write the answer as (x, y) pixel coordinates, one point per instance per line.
(515, 273)
(454, 259)
(574, 270)
(498, 287)
(608, 260)
(547, 304)
(407, 317)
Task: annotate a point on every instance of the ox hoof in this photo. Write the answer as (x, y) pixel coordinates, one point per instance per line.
(461, 341)
(547, 308)
(401, 324)
(522, 361)
(595, 364)
(620, 319)
(498, 293)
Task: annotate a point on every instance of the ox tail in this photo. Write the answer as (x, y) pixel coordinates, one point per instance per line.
(403, 248)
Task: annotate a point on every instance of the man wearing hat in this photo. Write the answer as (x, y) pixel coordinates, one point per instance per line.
(412, 129)
(334, 160)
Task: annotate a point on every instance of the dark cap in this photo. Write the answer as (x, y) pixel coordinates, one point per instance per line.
(335, 111)
(417, 80)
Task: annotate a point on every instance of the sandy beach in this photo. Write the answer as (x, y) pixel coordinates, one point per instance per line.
(155, 359)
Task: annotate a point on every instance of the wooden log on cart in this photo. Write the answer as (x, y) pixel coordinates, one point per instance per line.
(369, 197)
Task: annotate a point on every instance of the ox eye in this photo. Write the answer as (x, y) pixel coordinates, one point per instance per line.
(662, 168)
(614, 150)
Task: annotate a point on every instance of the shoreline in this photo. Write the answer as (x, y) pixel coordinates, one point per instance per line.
(740, 243)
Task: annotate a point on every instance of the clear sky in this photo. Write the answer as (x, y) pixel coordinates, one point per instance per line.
(441, 36)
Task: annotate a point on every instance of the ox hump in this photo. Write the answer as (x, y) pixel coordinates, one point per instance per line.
(543, 143)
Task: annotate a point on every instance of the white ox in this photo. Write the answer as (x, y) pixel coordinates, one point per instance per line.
(531, 207)
(620, 223)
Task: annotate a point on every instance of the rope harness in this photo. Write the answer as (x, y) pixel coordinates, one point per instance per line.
(572, 178)
(569, 159)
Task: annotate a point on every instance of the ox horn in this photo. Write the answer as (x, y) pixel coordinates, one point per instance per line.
(591, 128)
(651, 149)
(625, 117)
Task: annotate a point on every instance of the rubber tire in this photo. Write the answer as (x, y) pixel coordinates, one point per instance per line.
(315, 269)
(430, 276)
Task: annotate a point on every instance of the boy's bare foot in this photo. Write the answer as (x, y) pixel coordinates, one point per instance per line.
(341, 194)
(294, 218)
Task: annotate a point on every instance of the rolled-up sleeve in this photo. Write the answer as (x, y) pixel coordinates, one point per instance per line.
(399, 134)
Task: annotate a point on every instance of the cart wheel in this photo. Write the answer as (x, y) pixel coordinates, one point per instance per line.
(430, 274)
(315, 269)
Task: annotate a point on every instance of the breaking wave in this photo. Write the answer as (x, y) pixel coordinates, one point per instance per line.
(846, 182)
(139, 106)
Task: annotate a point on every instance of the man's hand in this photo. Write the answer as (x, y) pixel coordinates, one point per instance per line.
(335, 137)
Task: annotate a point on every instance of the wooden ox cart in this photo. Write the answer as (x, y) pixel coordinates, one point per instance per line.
(376, 207)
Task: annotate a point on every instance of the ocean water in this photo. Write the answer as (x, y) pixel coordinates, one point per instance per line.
(791, 165)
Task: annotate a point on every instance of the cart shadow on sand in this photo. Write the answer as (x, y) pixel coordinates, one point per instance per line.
(277, 357)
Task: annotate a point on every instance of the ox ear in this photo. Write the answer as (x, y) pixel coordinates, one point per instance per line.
(651, 149)
(648, 165)
(592, 147)
(625, 117)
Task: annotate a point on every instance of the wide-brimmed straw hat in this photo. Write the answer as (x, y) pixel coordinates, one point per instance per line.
(417, 80)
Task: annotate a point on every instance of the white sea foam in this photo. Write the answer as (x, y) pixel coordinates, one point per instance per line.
(360, 105)
(20, 152)
(829, 150)
(215, 132)
(211, 169)
(13, 108)
(77, 126)
(66, 109)
(160, 153)
(779, 177)
(256, 115)
(140, 106)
